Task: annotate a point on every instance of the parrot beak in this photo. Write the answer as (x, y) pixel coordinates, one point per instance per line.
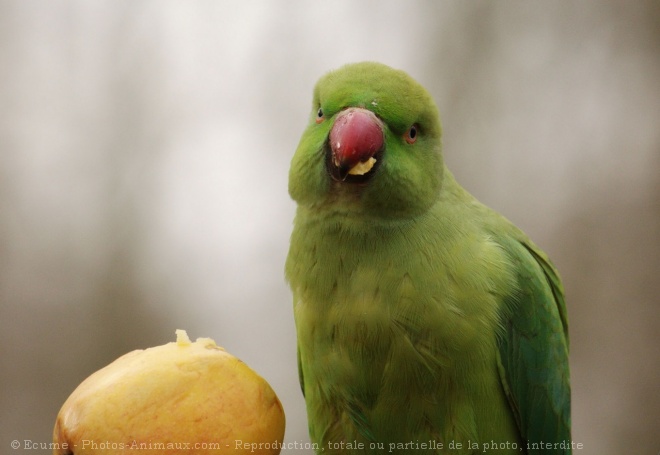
(355, 140)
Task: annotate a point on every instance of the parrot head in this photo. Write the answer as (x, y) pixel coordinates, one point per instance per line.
(372, 146)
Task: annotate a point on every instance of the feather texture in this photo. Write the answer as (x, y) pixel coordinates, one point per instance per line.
(422, 316)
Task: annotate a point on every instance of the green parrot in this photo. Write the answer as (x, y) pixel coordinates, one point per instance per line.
(426, 322)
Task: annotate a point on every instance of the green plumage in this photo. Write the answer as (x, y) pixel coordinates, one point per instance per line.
(425, 320)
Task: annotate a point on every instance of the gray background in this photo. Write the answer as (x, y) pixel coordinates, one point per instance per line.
(144, 150)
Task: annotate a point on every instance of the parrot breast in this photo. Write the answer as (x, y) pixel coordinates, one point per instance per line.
(382, 341)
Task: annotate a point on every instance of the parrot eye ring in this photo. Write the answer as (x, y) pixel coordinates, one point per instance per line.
(411, 134)
(319, 115)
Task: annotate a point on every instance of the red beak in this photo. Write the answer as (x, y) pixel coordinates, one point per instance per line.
(356, 136)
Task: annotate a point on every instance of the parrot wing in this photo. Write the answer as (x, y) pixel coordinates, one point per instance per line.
(533, 348)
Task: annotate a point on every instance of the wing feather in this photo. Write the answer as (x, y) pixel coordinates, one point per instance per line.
(533, 351)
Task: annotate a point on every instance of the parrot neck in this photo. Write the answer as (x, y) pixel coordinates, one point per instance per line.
(342, 211)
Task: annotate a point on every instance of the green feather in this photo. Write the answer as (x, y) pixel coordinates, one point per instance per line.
(424, 319)
(534, 349)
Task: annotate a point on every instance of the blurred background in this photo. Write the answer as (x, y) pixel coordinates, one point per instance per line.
(144, 151)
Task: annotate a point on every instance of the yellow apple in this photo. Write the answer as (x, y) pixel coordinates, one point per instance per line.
(182, 397)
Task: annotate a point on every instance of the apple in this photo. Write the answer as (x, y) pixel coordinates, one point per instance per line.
(182, 397)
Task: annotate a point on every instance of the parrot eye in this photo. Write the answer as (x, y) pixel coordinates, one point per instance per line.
(411, 134)
(319, 115)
